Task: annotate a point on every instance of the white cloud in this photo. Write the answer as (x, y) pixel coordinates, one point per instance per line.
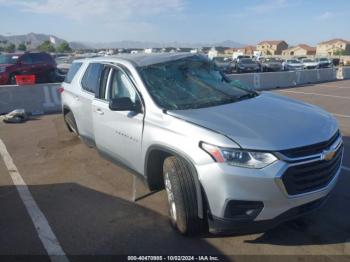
(325, 16)
(267, 6)
(110, 10)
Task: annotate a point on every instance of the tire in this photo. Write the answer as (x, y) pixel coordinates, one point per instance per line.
(182, 197)
(71, 124)
(51, 76)
(12, 79)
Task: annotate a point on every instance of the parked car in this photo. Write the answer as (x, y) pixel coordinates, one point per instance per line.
(224, 64)
(63, 64)
(247, 65)
(309, 63)
(237, 159)
(301, 58)
(42, 65)
(270, 64)
(324, 62)
(336, 61)
(292, 64)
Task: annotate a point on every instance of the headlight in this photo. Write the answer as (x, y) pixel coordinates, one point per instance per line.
(239, 157)
(2, 69)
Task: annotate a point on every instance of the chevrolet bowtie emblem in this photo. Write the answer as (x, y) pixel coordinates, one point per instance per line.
(328, 154)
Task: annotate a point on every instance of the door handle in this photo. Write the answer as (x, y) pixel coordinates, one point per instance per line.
(99, 111)
(76, 98)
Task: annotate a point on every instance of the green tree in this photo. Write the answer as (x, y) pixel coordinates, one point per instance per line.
(10, 48)
(22, 47)
(340, 52)
(64, 48)
(46, 47)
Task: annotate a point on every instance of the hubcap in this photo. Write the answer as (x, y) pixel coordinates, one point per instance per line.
(170, 194)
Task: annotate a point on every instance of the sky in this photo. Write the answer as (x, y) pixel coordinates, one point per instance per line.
(186, 21)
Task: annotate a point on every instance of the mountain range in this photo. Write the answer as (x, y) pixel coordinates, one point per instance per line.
(33, 40)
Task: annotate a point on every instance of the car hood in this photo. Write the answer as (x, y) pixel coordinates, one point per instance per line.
(248, 65)
(295, 65)
(311, 63)
(267, 122)
(273, 64)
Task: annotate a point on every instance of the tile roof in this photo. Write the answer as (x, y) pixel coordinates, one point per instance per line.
(332, 41)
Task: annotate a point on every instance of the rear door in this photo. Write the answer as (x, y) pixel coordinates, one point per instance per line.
(118, 133)
(89, 84)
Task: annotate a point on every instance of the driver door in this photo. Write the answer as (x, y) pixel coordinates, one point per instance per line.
(118, 134)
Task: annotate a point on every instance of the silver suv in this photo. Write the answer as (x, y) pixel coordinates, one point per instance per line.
(230, 159)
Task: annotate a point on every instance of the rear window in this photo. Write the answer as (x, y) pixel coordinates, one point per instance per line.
(73, 69)
(91, 78)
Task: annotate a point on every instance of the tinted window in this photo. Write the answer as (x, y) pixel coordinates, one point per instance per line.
(26, 59)
(91, 78)
(73, 69)
(8, 59)
(37, 58)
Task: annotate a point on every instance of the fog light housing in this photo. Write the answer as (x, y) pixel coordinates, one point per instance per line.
(242, 210)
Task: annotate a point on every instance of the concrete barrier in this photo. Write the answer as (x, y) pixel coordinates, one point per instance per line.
(346, 72)
(37, 99)
(263, 81)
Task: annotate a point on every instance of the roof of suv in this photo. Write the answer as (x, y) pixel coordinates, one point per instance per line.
(144, 59)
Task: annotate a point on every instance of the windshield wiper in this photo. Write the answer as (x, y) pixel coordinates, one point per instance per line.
(247, 96)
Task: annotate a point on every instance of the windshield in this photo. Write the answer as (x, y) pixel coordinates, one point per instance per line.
(247, 61)
(8, 59)
(188, 83)
(269, 60)
(220, 59)
(324, 59)
(293, 61)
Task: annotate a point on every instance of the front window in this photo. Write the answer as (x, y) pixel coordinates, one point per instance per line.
(247, 61)
(189, 83)
(293, 61)
(8, 59)
(270, 60)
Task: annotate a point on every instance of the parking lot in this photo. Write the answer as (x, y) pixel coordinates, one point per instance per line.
(82, 205)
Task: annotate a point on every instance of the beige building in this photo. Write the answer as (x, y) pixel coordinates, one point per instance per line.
(328, 48)
(271, 47)
(230, 51)
(299, 50)
(247, 50)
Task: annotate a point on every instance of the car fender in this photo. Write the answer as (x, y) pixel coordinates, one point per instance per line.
(191, 165)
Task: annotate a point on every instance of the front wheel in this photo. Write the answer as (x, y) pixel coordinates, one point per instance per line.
(71, 124)
(182, 198)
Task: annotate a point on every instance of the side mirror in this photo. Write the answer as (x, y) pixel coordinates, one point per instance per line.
(124, 104)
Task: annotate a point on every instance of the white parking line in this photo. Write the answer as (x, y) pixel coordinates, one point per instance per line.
(331, 86)
(346, 168)
(41, 224)
(317, 94)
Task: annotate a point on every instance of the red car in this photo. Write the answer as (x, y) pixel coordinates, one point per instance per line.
(42, 65)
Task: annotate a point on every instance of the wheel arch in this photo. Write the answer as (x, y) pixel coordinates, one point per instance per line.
(155, 156)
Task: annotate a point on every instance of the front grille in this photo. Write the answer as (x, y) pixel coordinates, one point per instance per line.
(311, 149)
(309, 177)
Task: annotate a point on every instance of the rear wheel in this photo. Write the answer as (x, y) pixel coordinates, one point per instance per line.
(12, 79)
(70, 122)
(182, 197)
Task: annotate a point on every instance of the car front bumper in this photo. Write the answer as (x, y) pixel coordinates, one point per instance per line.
(223, 183)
